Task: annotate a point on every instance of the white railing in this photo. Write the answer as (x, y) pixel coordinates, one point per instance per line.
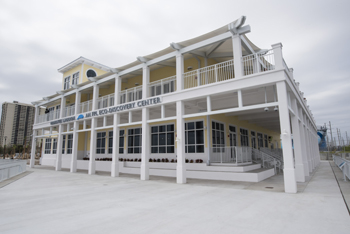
(230, 154)
(105, 101)
(259, 62)
(131, 94)
(276, 154)
(163, 86)
(85, 106)
(10, 168)
(210, 74)
(69, 111)
(268, 161)
(48, 117)
(343, 165)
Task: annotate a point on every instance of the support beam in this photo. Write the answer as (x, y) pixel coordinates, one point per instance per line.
(180, 142)
(290, 185)
(73, 164)
(59, 149)
(32, 153)
(213, 48)
(179, 71)
(115, 149)
(92, 163)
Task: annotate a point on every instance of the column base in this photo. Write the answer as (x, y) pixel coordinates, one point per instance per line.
(290, 184)
(299, 173)
(144, 171)
(115, 170)
(181, 175)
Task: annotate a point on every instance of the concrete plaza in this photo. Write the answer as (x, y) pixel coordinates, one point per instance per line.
(47, 201)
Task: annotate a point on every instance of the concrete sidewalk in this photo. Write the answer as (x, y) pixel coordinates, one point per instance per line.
(47, 201)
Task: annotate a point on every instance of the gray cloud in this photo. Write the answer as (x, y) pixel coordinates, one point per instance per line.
(37, 37)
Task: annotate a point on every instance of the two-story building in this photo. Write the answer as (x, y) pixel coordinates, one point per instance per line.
(213, 107)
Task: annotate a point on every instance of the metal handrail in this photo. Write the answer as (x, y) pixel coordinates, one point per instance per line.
(230, 154)
(343, 165)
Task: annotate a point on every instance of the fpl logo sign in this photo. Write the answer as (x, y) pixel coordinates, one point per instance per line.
(80, 117)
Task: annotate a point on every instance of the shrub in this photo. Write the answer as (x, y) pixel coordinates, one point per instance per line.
(186, 160)
(150, 160)
(191, 161)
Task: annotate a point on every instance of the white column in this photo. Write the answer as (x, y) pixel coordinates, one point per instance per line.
(237, 55)
(145, 126)
(290, 185)
(95, 95)
(73, 164)
(307, 147)
(92, 163)
(180, 143)
(179, 71)
(145, 145)
(63, 106)
(115, 150)
(117, 88)
(277, 51)
(298, 152)
(303, 143)
(32, 153)
(77, 101)
(59, 148)
(240, 100)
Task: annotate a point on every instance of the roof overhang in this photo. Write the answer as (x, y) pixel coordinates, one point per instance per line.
(82, 60)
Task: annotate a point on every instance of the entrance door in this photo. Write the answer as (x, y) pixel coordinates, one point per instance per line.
(233, 142)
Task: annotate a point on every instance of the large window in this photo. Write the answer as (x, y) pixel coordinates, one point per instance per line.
(66, 82)
(266, 141)
(260, 140)
(233, 137)
(75, 78)
(218, 135)
(101, 143)
(162, 139)
(121, 141)
(48, 146)
(110, 142)
(69, 144)
(63, 143)
(134, 141)
(194, 137)
(253, 139)
(54, 146)
(244, 137)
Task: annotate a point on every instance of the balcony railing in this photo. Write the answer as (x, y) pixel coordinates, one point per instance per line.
(105, 101)
(210, 74)
(163, 86)
(131, 94)
(48, 117)
(259, 62)
(69, 111)
(85, 106)
(230, 154)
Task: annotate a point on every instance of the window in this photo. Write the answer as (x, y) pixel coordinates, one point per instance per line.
(48, 146)
(54, 146)
(134, 141)
(66, 82)
(162, 139)
(101, 143)
(233, 137)
(266, 141)
(244, 137)
(91, 73)
(75, 78)
(260, 140)
(218, 135)
(63, 143)
(253, 139)
(58, 107)
(194, 137)
(70, 144)
(121, 141)
(110, 142)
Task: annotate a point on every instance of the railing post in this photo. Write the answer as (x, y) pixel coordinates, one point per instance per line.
(277, 51)
(198, 78)
(216, 73)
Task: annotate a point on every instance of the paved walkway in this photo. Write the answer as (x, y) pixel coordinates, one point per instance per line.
(47, 201)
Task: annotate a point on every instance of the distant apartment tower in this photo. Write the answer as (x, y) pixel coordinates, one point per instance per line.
(16, 125)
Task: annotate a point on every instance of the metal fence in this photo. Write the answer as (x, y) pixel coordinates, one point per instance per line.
(230, 154)
(10, 168)
(343, 165)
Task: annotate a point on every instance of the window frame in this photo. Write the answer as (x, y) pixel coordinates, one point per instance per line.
(266, 141)
(262, 139)
(253, 137)
(54, 146)
(224, 134)
(75, 77)
(166, 146)
(110, 142)
(69, 143)
(195, 139)
(89, 70)
(131, 148)
(121, 139)
(63, 143)
(235, 133)
(66, 83)
(102, 148)
(241, 135)
(48, 142)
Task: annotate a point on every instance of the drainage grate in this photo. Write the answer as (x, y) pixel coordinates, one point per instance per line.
(269, 187)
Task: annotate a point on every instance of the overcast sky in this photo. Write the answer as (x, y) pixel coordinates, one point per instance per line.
(38, 37)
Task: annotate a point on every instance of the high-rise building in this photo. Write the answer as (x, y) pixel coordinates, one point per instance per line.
(16, 125)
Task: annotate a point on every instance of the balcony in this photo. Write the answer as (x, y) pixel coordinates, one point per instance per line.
(162, 86)
(131, 94)
(105, 101)
(48, 117)
(69, 111)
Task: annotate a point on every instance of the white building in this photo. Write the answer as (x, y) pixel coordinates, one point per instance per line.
(216, 100)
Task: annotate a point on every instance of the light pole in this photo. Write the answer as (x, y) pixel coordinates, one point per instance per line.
(5, 147)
